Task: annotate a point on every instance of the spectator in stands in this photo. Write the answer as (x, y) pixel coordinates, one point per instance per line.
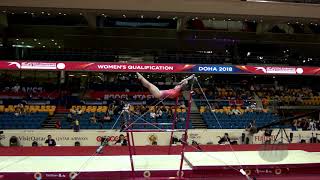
(17, 111)
(317, 124)
(58, 125)
(34, 144)
(110, 111)
(153, 114)
(121, 141)
(174, 140)
(159, 113)
(14, 141)
(73, 112)
(50, 141)
(76, 125)
(225, 139)
(234, 111)
(79, 111)
(252, 128)
(312, 125)
(93, 118)
(295, 125)
(107, 118)
(69, 117)
(180, 117)
(154, 143)
(304, 124)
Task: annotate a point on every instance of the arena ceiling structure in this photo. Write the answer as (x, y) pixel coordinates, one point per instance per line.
(89, 15)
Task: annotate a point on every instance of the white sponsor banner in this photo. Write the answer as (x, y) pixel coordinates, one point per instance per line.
(280, 70)
(93, 137)
(38, 65)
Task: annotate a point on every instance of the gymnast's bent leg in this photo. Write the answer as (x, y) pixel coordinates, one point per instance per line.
(154, 90)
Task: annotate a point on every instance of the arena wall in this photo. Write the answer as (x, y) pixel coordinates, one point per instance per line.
(93, 137)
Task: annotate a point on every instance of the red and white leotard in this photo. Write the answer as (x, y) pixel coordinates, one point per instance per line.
(171, 93)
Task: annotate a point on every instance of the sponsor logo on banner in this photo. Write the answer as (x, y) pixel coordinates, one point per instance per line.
(263, 171)
(93, 137)
(38, 65)
(263, 138)
(279, 70)
(109, 138)
(2, 136)
(153, 139)
(59, 138)
(55, 175)
(127, 95)
(194, 136)
(222, 69)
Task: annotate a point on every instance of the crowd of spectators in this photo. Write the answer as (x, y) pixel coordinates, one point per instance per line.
(306, 124)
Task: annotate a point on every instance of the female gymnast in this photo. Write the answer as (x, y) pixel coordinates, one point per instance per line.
(160, 94)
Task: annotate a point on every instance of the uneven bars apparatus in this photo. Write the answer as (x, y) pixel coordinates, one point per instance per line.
(185, 138)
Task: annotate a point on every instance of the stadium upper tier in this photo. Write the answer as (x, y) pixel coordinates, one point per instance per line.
(243, 55)
(165, 7)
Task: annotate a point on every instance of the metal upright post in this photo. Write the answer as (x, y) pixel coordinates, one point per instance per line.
(173, 123)
(185, 139)
(133, 146)
(130, 153)
(131, 134)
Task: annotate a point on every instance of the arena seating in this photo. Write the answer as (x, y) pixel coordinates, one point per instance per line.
(101, 109)
(88, 111)
(30, 108)
(27, 121)
(237, 121)
(304, 96)
(85, 123)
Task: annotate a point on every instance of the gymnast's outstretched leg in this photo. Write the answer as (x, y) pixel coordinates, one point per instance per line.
(154, 90)
(183, 82)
